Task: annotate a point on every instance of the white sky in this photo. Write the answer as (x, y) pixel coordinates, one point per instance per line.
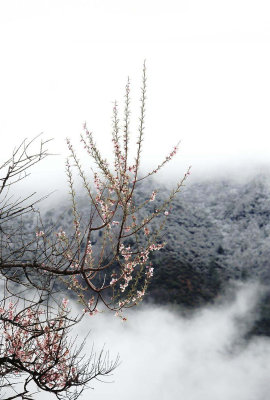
(64, 62)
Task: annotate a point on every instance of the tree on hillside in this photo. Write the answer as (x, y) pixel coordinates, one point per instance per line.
(34, 320)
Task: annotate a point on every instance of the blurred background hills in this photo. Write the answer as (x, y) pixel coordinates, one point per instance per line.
(217, 232)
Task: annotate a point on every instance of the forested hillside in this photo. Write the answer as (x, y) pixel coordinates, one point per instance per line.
(216, 232)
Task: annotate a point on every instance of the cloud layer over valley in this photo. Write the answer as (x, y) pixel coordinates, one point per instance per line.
(166, 356)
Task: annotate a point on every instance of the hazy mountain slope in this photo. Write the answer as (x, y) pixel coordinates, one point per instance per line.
(217, 228)
(216, 231)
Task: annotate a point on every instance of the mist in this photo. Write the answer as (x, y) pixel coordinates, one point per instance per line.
(165, 354)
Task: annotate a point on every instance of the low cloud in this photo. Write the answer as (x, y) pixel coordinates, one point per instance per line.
(166, 356)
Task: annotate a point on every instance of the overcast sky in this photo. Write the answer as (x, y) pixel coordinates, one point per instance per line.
(64, 62)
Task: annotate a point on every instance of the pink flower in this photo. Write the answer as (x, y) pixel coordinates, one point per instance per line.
(89, 248)
(94, 312)
(65, 302)
(39, 234)
(149, 273)
(61, 234)
(91, 301)
(146, 231)
(166, 212)
(140, 293)
(153, 196)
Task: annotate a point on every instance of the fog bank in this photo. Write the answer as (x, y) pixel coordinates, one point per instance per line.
(165, 356)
